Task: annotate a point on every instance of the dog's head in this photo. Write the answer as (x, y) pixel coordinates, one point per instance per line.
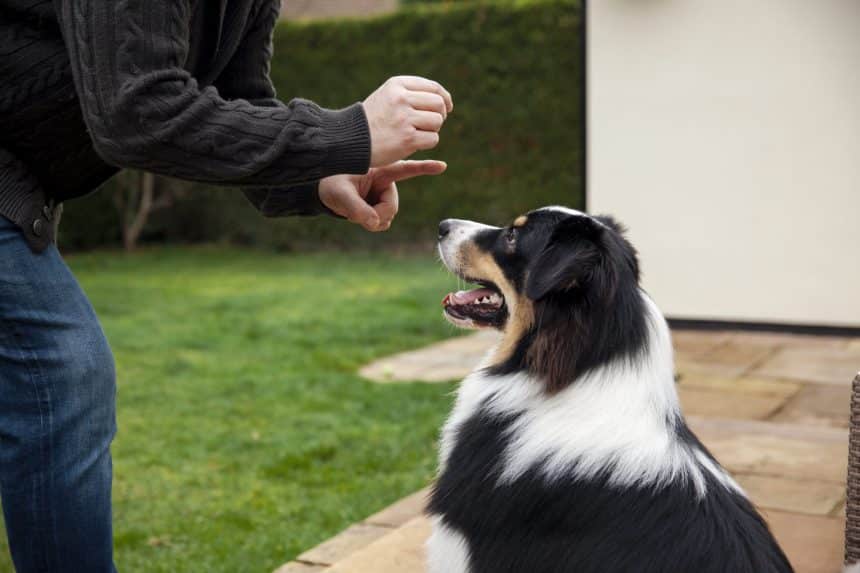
(560, 284)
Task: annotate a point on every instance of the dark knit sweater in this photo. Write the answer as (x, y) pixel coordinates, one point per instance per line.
(176, 87)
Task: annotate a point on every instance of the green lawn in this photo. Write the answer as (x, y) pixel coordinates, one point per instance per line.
(245, 435)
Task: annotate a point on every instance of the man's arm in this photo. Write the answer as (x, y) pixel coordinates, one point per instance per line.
(370, 200)
(247, 76)
(144, 111)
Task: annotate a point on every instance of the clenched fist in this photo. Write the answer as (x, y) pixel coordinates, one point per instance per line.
(405, 115)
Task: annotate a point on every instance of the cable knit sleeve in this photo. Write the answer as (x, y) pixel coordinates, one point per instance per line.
(145, 111)
(247, 76)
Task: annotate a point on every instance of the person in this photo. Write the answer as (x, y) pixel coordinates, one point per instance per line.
(179, 88)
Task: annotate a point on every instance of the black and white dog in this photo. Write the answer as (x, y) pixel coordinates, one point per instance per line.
(566, 450)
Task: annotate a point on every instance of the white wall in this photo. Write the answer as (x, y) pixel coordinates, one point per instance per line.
(726, 135)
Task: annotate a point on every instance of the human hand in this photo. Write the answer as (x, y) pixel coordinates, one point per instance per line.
(370, 200)
(405, 115)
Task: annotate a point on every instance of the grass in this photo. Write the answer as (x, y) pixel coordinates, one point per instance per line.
(245, 435)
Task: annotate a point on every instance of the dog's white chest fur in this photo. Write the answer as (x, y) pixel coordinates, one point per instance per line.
(617, 419)
(619, 416)
(447, 550)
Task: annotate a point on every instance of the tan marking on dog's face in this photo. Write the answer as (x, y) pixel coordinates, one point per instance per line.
(480, 265)
(521, 220)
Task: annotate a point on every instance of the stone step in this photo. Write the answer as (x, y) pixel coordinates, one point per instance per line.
(401, 551)
(358, 536)
(299, 567)
(345, 543)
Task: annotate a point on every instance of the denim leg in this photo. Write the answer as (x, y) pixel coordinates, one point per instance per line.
(57, 415)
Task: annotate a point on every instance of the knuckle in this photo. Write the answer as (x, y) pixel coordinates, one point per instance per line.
(432, 140)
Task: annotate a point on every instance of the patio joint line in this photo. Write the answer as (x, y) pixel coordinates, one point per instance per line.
(760, 362)
(788, 399)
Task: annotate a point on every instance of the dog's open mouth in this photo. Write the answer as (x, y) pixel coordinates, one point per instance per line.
(482, 307)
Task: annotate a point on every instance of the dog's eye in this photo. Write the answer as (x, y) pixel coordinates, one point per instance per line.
(511, 236)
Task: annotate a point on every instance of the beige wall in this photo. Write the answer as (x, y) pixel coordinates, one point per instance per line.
(726, 134)
(335, 8)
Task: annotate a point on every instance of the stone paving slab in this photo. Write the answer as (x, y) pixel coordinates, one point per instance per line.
(723, 428)
(818, 364)
(401, 551)
(733, 398)
(765, 448)
(787, 339)
(818, 405)
(731, 358)
(799, 496)
(697, 342)
(839, 511)
(813, 544)
(441, 362)
(744, 385)
(343, 544)
(732, 405)
(399, 513)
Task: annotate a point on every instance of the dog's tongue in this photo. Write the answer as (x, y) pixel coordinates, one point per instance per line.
(464, 297)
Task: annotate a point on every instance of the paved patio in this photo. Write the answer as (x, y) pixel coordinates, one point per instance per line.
(773, 408)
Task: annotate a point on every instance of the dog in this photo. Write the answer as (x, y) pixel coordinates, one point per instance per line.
(566, 450)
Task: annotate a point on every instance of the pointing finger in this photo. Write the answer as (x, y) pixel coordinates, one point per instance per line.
(403, 170)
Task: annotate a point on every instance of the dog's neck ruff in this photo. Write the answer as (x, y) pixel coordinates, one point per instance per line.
(620, 421)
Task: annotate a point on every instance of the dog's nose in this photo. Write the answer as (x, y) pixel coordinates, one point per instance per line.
(444, 228)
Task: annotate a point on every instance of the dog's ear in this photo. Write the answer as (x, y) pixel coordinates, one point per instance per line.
(572, 258)
(612, 223)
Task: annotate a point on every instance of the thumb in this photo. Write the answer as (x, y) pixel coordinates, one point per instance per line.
(356, 210)
(402, 170)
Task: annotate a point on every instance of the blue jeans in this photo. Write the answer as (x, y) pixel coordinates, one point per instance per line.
(57, 415)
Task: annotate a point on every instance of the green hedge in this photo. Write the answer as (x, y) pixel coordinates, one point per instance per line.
(514, 141)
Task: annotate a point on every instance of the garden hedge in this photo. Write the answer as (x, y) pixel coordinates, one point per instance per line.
(514, 141)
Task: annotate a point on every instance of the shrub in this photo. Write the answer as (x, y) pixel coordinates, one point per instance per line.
(514, 141)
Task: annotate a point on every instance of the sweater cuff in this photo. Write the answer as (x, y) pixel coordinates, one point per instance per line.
(346, 137)
(302, 201)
